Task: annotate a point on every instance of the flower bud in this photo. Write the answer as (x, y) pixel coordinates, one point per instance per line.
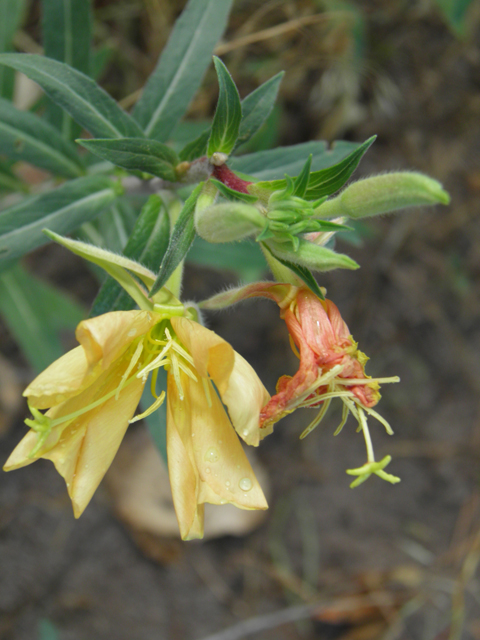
(228, 222)
(311, 256)
(383, 194)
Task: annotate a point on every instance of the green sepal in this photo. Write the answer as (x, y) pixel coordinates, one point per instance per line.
(180, 242)
(231, 193)
(118, 267)
(147, 244)
(228, 114)
(302, 272)
(312, 256)
(136, 154)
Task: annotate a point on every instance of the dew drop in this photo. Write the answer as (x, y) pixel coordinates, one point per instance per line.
(132, 332)
(223, 502)
(193, 435)
(245, 484)
(227, 483)
(86, 466)
(245, 433)
(211, 455)
(238, 466)
(207, 470)
(62, 460)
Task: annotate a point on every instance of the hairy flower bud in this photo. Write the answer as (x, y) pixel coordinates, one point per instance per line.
(383, 194)
(229, 222)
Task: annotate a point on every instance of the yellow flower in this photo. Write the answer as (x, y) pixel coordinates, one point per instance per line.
(92, 392)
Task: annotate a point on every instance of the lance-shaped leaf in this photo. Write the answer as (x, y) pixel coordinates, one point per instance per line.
(256, 108)
(9, 181)
(136, 154)
(180, 242)
(273, 164)
(301, 182)
(11, 13)
(63, 210)
(325, 181)
(79, 95)
(35, 312)
(66, 27)
(311, 256)
(181, 67)
(228, 114)
(24, 136)
(328, 181)
(147, 244)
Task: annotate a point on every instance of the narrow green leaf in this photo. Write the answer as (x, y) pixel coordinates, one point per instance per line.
(11, 13)
(61, 210)
(301, 182)
(181, 67)
(136, 154)
(35, 312)
(9, 181)
(195, 149)
(273, 164)
(180, 242)
(329, 180)
(231, 193)
(256, 108)
(66, 26)
(228, 114)
(79, 95)
(147, 245)
(24, 136)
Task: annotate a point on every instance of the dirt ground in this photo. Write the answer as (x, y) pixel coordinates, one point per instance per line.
(379, 562)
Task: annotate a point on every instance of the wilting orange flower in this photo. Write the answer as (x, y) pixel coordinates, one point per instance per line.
(92, 392)
(331, 365)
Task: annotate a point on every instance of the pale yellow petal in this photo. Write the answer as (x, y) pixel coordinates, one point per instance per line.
(184, 478)
(61, 380)
(106, 337)
(244, 396)
(211, 354)
(223, 469)
(93, 440)
(19, 456)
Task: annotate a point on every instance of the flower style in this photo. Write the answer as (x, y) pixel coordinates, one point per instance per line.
(331, 366)
(92, 392)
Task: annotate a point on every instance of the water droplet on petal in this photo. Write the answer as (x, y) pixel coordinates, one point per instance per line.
(132, 332)
(211, 455)
(245, 433)
(227, 483)
(245, 484)
(207, 470)
(62, 460)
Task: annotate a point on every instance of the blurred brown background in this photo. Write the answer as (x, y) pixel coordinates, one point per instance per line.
(381, 562)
